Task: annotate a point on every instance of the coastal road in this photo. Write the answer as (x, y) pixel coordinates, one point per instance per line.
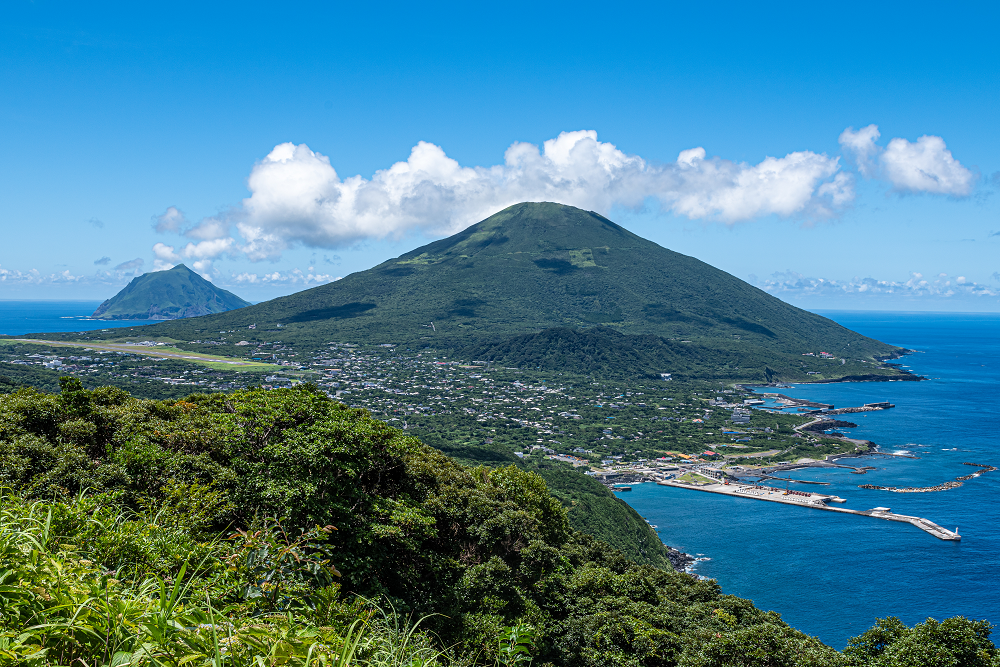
(809, 423)
(149, 351)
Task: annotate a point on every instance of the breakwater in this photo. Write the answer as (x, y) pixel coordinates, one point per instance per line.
(867, 407)
(944, 486)
(815, 501)
(827, 408)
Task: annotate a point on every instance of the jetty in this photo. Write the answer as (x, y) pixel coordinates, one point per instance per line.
(817, 501)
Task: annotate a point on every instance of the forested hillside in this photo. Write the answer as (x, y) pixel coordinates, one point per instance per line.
(528, 274)
(221, 528)
(167, 295)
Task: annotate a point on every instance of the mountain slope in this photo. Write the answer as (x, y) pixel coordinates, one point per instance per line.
(537, 266)
(167, 295)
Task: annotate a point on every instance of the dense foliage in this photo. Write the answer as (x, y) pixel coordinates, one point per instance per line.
(17, 376)
(176, 522)
(591, 507)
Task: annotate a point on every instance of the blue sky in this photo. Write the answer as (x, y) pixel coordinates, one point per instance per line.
(258, 141)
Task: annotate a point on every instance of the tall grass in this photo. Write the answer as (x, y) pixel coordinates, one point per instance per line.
(61, 607)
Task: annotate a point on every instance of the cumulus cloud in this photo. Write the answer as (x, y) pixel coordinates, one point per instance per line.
(170, 220)
(922, 166)
(861, 144)
(166, 258)
(297, 197)
(103, 261)
(790, 283)
(926, 166)
(95, 222)
(201, 254)
(209, 229)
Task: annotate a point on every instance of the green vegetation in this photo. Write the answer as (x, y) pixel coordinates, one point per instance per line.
(21, 366)
(695, 478)
(592, 509)
(266, 527)
(166, 295)
(16, 376)
(551, 286)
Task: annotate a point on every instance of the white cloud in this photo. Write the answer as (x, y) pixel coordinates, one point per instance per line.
(201, 254)
(166, 258)
(170, 220)
(297, 197)
(132, 267)
(204, 267)
(208, 249)
(293, 277)
(208, 229)
(924, 166)
(36, 277)
(863, 147)
(792, 284)
(734, 192)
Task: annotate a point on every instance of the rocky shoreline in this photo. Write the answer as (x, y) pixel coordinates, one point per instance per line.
(680, 560)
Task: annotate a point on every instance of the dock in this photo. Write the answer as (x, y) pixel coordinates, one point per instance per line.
(817, 501)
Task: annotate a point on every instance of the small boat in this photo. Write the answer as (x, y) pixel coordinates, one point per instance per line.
(621, 488)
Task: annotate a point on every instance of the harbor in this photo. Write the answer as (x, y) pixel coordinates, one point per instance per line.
(817, 501)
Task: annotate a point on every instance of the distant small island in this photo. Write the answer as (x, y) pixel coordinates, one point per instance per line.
(168, 295)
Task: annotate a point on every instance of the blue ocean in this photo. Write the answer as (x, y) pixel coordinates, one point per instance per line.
(832, 575)
(18, 318)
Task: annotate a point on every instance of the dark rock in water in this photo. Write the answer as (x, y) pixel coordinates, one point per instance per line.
(168, 295)
(680, 560)
(828, 424)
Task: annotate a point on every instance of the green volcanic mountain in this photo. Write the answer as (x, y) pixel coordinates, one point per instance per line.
(524, 285)
(168, 295)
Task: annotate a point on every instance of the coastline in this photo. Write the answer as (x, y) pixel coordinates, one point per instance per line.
(869, 569)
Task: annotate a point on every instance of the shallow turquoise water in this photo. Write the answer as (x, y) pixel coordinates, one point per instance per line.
(832, 575)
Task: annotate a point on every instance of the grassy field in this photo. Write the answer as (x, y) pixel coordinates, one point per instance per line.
(696, 478)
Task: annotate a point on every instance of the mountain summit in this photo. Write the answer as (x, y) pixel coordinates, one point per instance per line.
(537, 267)
(168, 295)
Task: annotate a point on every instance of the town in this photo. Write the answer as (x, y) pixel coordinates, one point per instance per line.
(479, 412)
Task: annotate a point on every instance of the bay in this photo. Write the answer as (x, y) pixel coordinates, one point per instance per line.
(831, 575)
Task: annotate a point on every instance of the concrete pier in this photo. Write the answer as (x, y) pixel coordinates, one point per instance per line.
(814, 501)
